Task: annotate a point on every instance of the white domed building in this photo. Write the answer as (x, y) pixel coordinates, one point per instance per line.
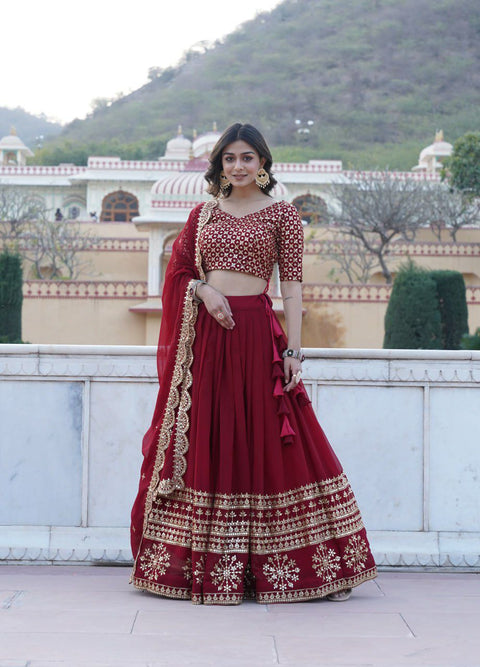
(431, 158)
(13, 152)
(178, 148)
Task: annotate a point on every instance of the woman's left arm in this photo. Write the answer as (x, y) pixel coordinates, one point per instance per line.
(291, 291)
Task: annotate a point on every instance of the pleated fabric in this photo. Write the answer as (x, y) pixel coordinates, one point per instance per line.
(267, 511)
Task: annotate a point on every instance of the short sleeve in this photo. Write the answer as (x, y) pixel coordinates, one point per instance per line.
(290, 244)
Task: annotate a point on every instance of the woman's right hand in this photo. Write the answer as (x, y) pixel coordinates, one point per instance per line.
(216, 304)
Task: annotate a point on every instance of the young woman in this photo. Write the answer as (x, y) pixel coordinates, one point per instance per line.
(241, 495)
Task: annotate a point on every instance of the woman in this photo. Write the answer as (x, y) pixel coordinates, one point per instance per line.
(240, 493)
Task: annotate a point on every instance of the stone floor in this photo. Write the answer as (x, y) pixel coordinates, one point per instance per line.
(80, 616)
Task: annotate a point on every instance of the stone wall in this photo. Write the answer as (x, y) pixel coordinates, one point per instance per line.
(405, 425)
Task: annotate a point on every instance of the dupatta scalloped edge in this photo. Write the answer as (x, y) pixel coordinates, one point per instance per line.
(175, 418)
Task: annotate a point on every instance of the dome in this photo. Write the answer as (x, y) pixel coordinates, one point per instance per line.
(181, 190)
(203, 145)
(13, 150)
(178, 148)
(11, 142)
(431, 156)
(188, 188)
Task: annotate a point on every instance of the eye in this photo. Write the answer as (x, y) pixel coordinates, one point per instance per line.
(228, 158)
(248, 158)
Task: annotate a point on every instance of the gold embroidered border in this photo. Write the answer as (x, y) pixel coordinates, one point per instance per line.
(181, 375)
(202, 221)
(268, 597)
(262, 501)
(257, 524)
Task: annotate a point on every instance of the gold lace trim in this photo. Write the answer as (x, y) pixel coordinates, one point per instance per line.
(177, 420)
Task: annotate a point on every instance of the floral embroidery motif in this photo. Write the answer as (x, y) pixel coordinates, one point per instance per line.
(356, 553)
(226, 574)
(281, 572)
(187, 570)
(199, 571)
(326, 563)
(155, 561)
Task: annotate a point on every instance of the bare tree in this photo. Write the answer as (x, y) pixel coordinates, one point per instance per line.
(352, 258)
(54, 247)
(17, 210)
(376, 209)
(452, 209)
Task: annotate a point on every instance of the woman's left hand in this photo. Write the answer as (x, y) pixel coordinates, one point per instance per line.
(292, 369)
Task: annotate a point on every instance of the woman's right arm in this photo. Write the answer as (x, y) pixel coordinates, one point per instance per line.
(216, 304)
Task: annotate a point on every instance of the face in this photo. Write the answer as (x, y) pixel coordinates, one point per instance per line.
(241, 162)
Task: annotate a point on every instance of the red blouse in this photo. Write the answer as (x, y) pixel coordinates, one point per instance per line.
(254, 242)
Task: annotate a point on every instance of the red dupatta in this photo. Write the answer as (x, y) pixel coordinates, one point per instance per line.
(165, 443)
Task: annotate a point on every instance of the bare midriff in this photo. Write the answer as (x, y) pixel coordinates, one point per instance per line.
(234, 283)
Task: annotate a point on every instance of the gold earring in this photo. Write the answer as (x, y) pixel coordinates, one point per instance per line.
(262, 179)
(224, 182)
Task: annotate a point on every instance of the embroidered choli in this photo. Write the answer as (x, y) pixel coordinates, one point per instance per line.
(254, 242)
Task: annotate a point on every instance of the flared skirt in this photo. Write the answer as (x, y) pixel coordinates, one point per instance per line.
(266, 511)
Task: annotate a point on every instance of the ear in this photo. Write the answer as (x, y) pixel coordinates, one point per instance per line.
(262, 161)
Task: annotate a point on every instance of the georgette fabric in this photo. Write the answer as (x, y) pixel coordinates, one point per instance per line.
(241, 495)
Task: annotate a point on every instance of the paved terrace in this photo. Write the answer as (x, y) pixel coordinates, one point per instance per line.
(79, 616)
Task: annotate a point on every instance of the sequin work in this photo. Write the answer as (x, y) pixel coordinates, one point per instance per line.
(253, 243)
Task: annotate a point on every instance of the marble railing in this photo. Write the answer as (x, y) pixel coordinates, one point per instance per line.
(405, 425)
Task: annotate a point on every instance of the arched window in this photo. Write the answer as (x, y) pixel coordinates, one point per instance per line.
(311, 208)
(74, 206)
(119, 206)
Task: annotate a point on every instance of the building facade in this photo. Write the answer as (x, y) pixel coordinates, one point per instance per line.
(135, 209)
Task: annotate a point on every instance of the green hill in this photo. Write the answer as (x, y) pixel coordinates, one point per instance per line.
(377, 77)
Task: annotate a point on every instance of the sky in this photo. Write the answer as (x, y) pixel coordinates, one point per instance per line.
(59, 55)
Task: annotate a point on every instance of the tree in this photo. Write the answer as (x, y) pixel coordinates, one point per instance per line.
(376, 209)
(472, 341)
(462, 168)
(11, 298)
(17, 210)
(452, 303)
(451, 209)
(353, 260)
(53, 247)
(154, 73)
(413, 319)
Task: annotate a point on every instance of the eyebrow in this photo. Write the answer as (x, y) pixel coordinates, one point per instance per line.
(244, 153)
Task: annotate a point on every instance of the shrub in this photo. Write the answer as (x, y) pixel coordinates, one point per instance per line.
(11, 298)
(413, 320)
(471, 342)
(453, 307)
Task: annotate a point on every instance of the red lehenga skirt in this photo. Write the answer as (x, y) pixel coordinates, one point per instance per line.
(266, 512)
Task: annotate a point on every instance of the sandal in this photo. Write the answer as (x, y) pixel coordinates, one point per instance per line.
(340, 596)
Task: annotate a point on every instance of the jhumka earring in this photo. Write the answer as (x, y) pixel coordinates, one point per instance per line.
(224, 182)
(262, 179)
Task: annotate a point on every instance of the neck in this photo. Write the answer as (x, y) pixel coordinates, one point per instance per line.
(251, 192)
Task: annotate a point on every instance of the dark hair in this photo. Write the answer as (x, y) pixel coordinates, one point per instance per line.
(253, 138)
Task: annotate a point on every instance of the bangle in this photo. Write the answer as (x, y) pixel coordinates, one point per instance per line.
(193, 289)
(293, 354)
